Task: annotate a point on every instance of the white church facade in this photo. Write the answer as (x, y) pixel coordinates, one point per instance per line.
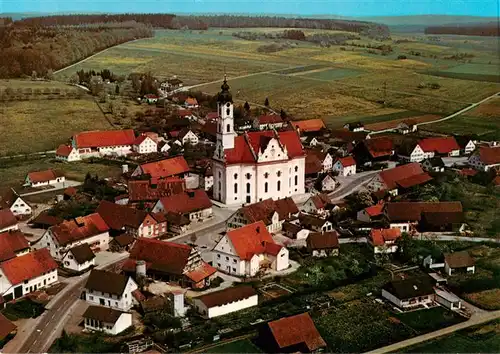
(256, 165)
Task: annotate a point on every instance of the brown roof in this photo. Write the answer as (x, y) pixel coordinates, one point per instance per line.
(28, 266)
(7, 218)
(306, 220)
(290, 227)
(320, 200)
(347, 136)
(44, 176)
(310, 125)
(6, 327)
(103, 314)
(176, 219)
(166, 168)
(394, 175)
(296, 329)
(442, 218)
(7, 198)
(285, 207)
(414, 180)
(144, 190)
(313, 164)
(265, 209)
(378, 147)
(186, 202)
(12, 242)
(106, 282)
(270, 119)
(490, 155)
(124, 239)
(82, 253)
(45, 219)
(412, 211)
(318, 240)
(460, 259)
(227, 296)
(79, 229)
(118, 216)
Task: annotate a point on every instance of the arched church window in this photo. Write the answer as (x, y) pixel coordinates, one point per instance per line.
(279, 186)
(236, 188)
(248, 187)
(249, 175)
(266, 175)
(220, 174)
(266, 187)
(228, 128)
(296, 168)
(228, 111)
(235, 176)
(278, 173)
(228, 105)
(296, 180)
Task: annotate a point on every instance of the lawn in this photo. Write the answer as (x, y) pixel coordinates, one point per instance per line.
(24, 308)
(16, 84)
(486, 128)
(479, 339)
(41, 125)
(423, 321)
(239, 346)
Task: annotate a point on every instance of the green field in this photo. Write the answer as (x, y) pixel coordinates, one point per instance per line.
(479, 339)
(333, 74)
(239, 346)
(486, 128)
(300, 69)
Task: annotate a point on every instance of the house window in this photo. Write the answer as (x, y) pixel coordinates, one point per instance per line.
(227, 258)
(228, 127)
(279, 186)
(266, 187)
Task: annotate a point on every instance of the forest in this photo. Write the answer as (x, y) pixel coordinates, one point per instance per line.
(487, 29)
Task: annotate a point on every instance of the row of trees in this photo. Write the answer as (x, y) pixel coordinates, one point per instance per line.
(488, 29)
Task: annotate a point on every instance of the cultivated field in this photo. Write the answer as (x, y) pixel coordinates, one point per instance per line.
(239, 346)
(41, 125)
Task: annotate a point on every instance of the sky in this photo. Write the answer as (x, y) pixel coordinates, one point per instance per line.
(354, 8)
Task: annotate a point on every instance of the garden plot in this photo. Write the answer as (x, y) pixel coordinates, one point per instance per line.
(275, 290)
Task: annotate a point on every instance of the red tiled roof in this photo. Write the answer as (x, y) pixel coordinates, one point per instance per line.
(378, 147)
(270, 119)
(347, 161)
(250, 240)
(186, 202)
(490, 155)
(414, 180)
(391, 176)
(227, 296)
(28, 266)
(70, 191)
(441, 145)
(118, 216)
(310, 125)
(150, 95)
(202, 272)
(296, 329)
(246, 147)
(43, 176)
(143, 190)
(6, 327)
(166, 168)
(212, 115)
(412, 211)
(185, 113)
(375, 210)
(272, 248)
(63, 150)
(79, 229)
(159, 255)
(320, 200)
(140, 139)
(7, 218)
(467, 172)
(191, 101)
(47, 220)
(318, 240)
(380, 236)
(104, 138)
(10, 243)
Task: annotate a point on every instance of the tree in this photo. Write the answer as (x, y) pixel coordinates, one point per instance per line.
(266, 102)
(50, 74)
(117, 90)
(33, 75)
(246, 107)
(74, 79)
(283, 114)
(406, 247)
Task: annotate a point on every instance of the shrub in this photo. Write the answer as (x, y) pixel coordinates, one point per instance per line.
(402, 57)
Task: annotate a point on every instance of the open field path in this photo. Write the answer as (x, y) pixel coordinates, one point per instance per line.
(477, 318)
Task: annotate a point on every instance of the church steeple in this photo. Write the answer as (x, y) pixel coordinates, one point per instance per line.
(224, 95)
(225, 120)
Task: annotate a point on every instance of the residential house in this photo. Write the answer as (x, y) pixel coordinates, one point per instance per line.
(323, 244)
(375, 150)
(101, 143)
(384, 240)
(143, 144)
(168, 261)
(226, 301)
(434, 164)
(410, 151)
(177, 223)
(109, 289)
(148, 192)
(485, 158)
(193, 204)
(163, 146)
(310, 141)
(44, 221)
(317, 204)
(67, 153)
(272, 213)
(313, 166)
(133, 221)
(8, 220)
(440, 221)
(309, 126)
(406, 127)
(355, 127)
(191, 102)
(121, 243)
(174, 166)
(371, 213)
(150, 98)
(268, 121)
(13, 244)
(448, 300)
(25, 274)
(79, 258)
(345, 166)
(171, 84)
(410, 293)
(324, 157)
(400, 177)
(467, 144)
(186, 136)
(440, 146)
(90, 229)
(186, 114)
(295, 231)
(107, 320)
(43, 178)
(315, 223)
(457, 262)
(294, 334)
(328, 184)
(407, 215)
(248, 250)
(9, 199)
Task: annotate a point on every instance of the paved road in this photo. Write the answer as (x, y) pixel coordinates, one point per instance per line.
(30, 154)
(477, 318)
(351, 184)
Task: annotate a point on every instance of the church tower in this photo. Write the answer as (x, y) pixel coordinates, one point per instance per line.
(225, 120)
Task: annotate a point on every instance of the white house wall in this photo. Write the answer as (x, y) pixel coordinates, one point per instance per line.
(123, 302)
(230, 307)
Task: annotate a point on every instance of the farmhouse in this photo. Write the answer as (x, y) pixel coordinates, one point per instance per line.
(317, 204)
(384, 240)
(186, 136)
(269, 121)
(410, 293)
(90, 229)
(110, 290)
(175, 166)
(434, 164)
(313, 166)
(100, 143)
(67, 153)
(148, 192)
(370, 151)
(323, 244)
(345, 166)
(136, 222)
(193, 204)
(485, 158)
(79, 258)
(8, 220)
(9, 199)
(150, 98)
(191, 102)
(328, 184)
(248, 250)
(13, 244)
(309, 126)
(272, 213)
(27, 273)
(170, 262)
(143, 144)
(315, 223)
(324, 157)
(107, 320)
(256, 165)
(294, 334)
(43, 178)
(371, 213)
(120, 243)
(401, 177)
(457, 262)
(226, 301)
(439, 146)
(467, 144)
(295, 231)
(355, 127)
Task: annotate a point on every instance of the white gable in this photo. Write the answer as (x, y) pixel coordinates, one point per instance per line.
(273, 152)
(225, 245)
